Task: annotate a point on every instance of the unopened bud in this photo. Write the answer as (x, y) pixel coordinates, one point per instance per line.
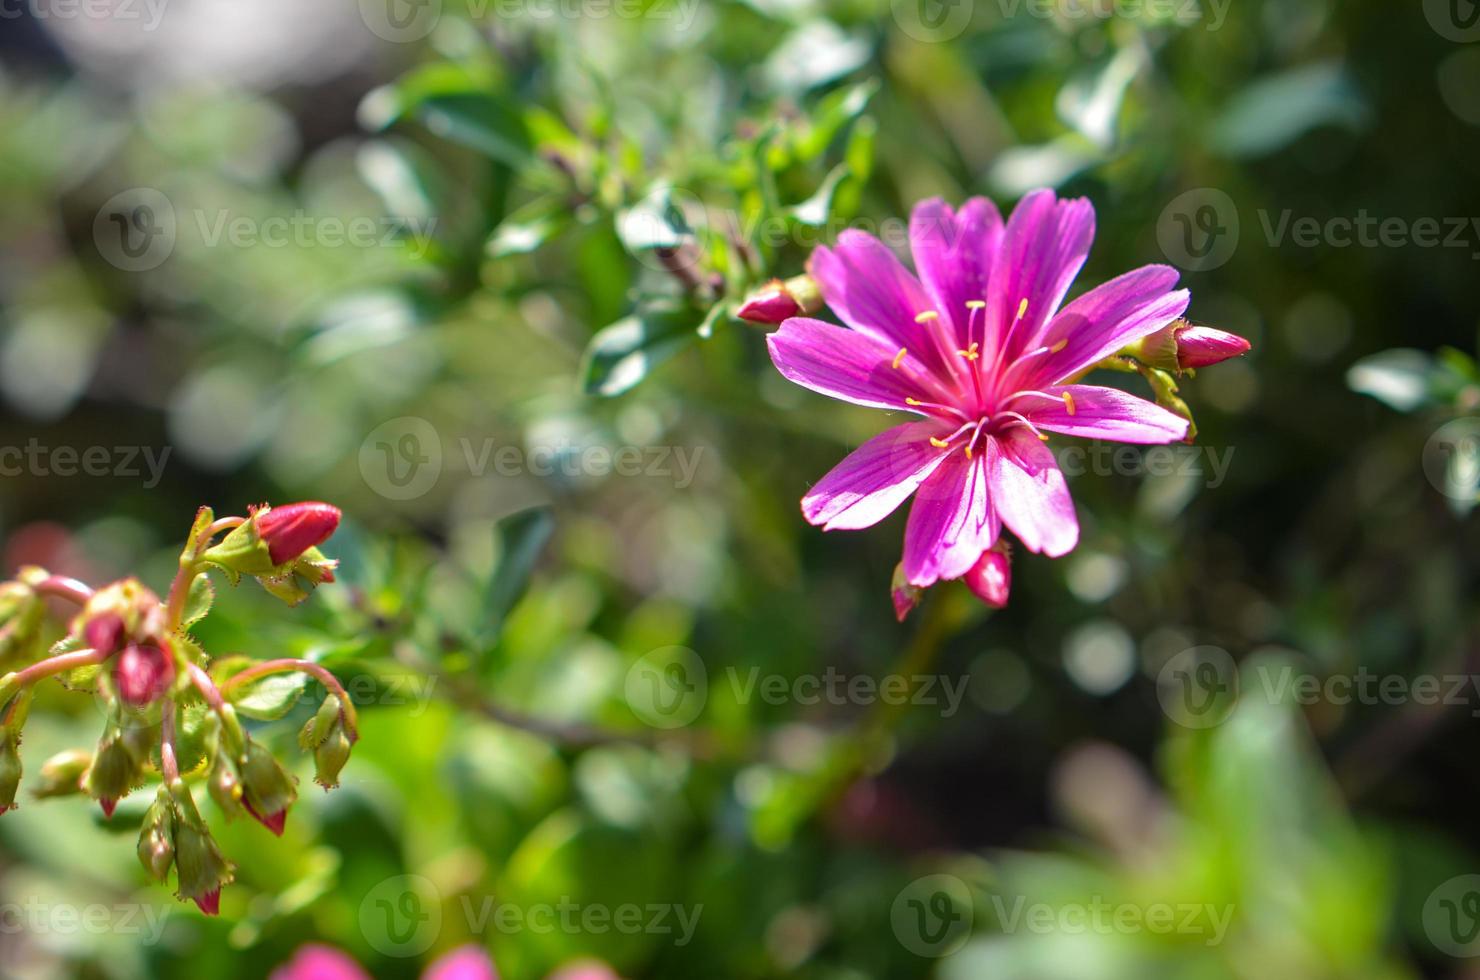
(316, 730)
(267, 789)
(114, 772)
(273, 537)
(1182, 345)
(104, 632)
(990, 579)
(62, 774)
(224, 786)
(776, 300)
(143, 672)
(22, 614)
(331, 755)
(905, 595)
(157, 836)
(10, 768)
(200, 868)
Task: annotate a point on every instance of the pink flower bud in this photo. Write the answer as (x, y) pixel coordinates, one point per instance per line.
(142, 673)
(104, 632)
(991, 577)
(108, 805)
(209, 902)
(1201, 346)
(274, 822)
(292, 529)
(905, 595)
(769, 304)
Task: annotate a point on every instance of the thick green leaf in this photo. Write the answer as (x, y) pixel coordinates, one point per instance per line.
(654, 222)
(621, 355)
(522, 538)
(198, 602)
(458, 104)
(270, 698)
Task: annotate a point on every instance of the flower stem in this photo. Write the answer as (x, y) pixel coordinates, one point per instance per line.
(65, 588)
(42, 669)
(190, 567)
(317, 672)
(169, 765)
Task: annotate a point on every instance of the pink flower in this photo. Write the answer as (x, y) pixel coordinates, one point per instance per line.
(142, 673)
(292, 529)
(463, 963)
(978, 347)
(1199, 346)
(316, 962)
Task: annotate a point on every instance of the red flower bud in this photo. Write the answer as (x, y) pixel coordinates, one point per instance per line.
(210, 902)
(142, 673)
(769, 304)
(104, 632)
(905, 595)
(1201, 346)
(292, 529)
(991, 577)
(274, 822)
(108, 806)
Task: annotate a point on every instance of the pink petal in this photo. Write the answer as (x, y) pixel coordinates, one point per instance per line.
(1103, 413)
(318, 962)
(846, 364)
(1030, 494)
(1105, 319)
(584, 970)
(1043, 248)
(952, 520)
(869, 289)
(873, 480)
(954, 253)
(464, 963)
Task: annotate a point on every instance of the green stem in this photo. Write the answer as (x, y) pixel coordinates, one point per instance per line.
(42, 669)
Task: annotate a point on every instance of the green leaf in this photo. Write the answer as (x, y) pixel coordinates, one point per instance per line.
(1276, 110)
(654, 222)
(458, 104)
(834, 114)
(522, 538)
(816, 209)
(270, 698)
(1399, 378)
(622, 354)
(529, 228)
(198, 602)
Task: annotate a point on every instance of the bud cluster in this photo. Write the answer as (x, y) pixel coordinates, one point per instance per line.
(133, 650)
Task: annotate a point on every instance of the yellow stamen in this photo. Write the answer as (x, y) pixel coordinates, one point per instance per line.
(1059, 346)
(926, 316)
(968, 450)
(1069, 402)
(938, 443)
(1022, 309)
(912, 401)
(1042, 437)
(897, 358)
(976, 304)
(971, 352)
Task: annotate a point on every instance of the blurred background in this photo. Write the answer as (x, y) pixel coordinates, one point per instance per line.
(467, 269)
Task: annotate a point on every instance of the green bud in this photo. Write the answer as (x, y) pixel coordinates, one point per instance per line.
(242, 552)
(267, 789)
(22, 613)
(331, 755)
(200, 868)
(10, 768)
(62, 774)
(317, 729)
(115, 771)
(157, 836)
(224, 786)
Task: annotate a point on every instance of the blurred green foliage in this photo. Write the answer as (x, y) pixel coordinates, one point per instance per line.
(565, 211)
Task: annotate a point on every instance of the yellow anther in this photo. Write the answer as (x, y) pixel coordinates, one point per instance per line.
(976, 304)
(912, 401)
(1059, 346)
(971, 353)
(1069, 402)
(897, 358)
(1042, 437)
(926, 316)
(968, 450)
(1022, 309)
(938, 443)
